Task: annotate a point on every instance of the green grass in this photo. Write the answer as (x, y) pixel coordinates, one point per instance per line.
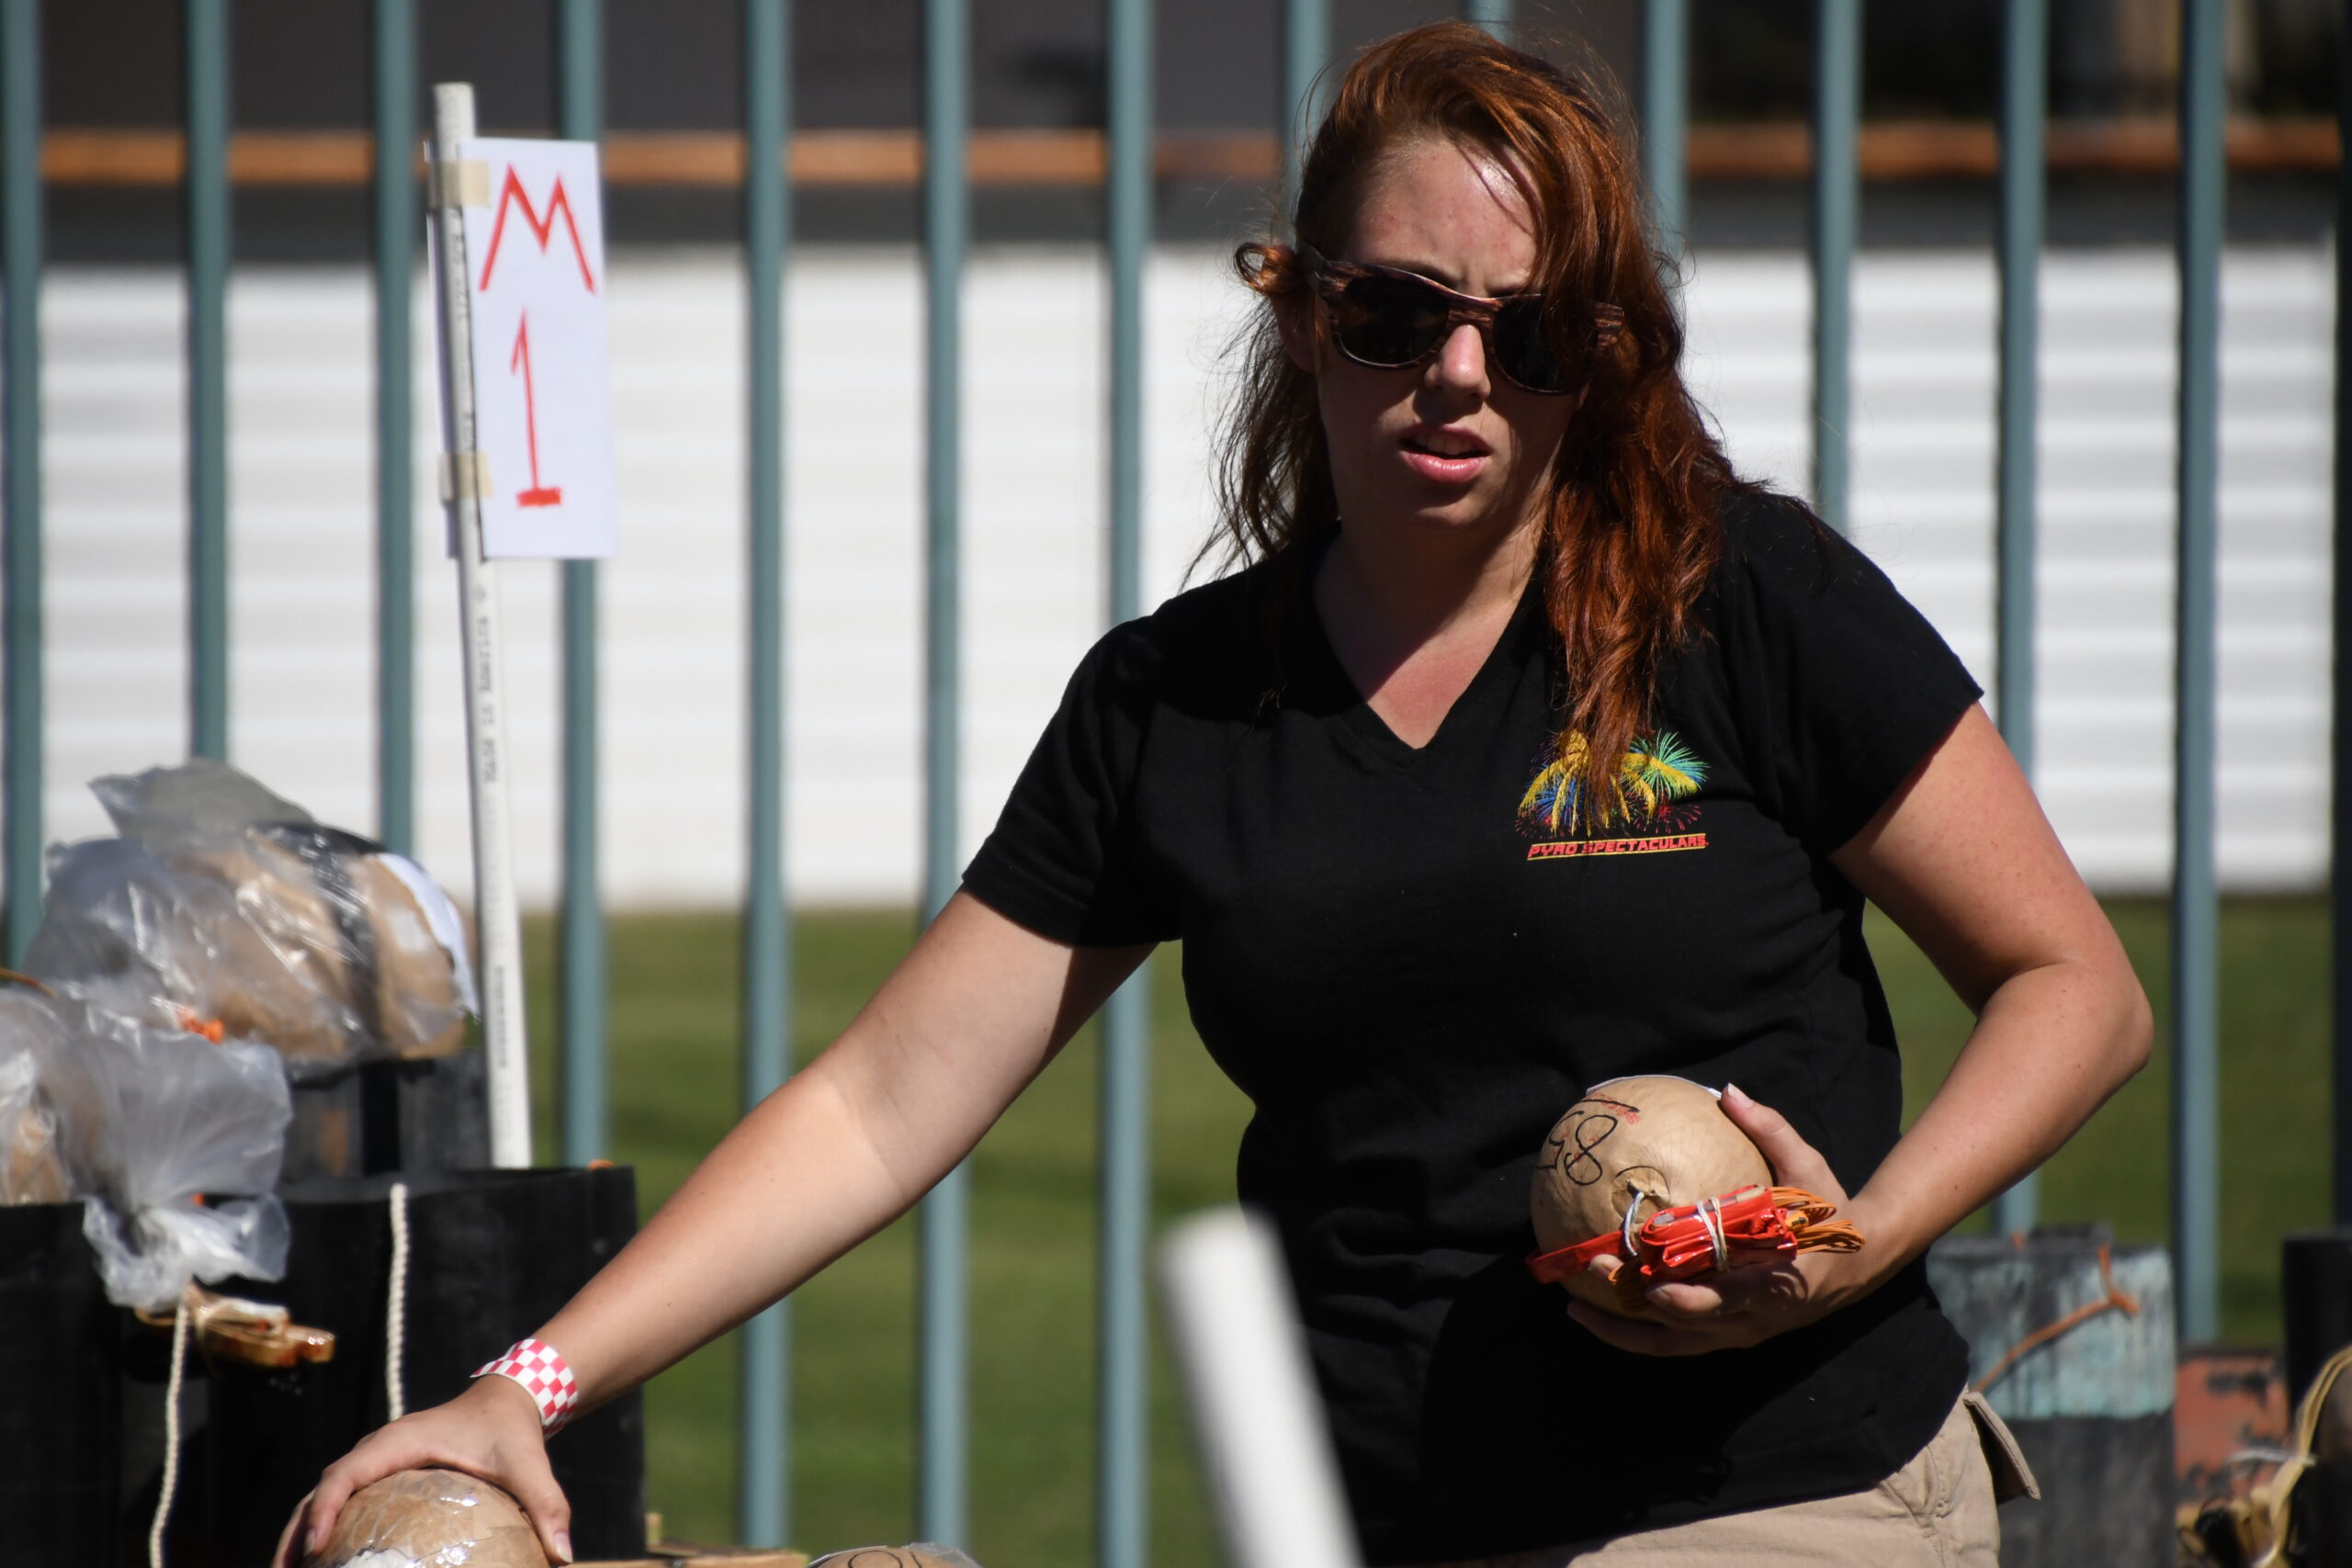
(673, 1091)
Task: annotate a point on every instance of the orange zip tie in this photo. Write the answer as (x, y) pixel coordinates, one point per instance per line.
(194, 1022)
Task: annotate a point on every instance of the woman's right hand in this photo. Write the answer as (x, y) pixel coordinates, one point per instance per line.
(491, 1430)
(852, 1140)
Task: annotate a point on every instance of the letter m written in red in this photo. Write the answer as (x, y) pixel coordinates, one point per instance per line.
(512, 195)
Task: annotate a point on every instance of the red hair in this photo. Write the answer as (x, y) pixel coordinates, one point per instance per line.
(1629, 533)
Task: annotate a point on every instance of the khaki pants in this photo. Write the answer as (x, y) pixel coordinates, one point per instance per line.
(1936, 1512)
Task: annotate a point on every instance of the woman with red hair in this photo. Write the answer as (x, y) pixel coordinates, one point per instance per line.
(1529, 748)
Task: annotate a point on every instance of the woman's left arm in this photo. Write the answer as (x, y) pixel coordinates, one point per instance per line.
(1962, 859)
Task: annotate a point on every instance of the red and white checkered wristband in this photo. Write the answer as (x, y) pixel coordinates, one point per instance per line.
(544, 1375)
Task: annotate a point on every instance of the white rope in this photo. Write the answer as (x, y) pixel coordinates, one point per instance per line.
(1711, 1215)
(171, 1478)
(1625, 1231)
(396, 1304)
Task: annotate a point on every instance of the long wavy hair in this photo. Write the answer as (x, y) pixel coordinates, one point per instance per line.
(1630, 532)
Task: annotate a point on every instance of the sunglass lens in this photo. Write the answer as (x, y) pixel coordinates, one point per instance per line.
(1387, 321)
(1524, 348)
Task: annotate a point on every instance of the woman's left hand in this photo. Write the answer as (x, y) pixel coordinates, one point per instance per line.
(1746, 1306)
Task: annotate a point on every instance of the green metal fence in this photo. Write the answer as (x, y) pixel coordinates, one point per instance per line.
(764, 1441)
(767, 996)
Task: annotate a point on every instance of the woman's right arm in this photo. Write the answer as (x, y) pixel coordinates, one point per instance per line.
(844, 1148)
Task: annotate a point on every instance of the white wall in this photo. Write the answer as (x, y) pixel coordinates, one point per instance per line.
(1923, 506)
(301, 497)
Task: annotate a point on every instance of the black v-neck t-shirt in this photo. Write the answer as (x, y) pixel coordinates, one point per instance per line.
(1412, 961)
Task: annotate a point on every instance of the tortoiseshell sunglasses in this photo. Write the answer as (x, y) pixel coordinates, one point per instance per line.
(1388, 319)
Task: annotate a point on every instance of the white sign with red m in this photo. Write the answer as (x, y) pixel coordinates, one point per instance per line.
(543, 402)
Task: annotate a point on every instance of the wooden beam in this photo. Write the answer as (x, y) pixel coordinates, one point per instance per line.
(1890, 150)
(1926, 150)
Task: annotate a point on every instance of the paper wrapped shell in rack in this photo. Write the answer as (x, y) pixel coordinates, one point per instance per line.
(431, 1518)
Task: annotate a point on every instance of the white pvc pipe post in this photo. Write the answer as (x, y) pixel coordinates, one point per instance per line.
(497, 917)
(1257, 1416)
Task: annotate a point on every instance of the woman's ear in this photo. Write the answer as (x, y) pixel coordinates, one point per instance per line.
(1294, 318)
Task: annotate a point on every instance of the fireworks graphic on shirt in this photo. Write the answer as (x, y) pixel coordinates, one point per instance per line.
(1652, 788)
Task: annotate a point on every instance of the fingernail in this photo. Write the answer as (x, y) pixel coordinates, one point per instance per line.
(562, 1546)
(1733, 1091)
(313, 1539)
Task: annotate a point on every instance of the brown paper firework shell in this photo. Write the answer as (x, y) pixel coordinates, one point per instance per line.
(431, 1518)
(31, 1170)
(1643, 1144)
(416, 980)
(922, 1555)
(52, 1111)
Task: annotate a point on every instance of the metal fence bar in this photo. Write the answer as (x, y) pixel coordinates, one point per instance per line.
(943, 1398)
(1666, 114)
(393, 63)
(20, 265)
(763, 1481)
(1305, 46)
(2025, 36)
(2196, 1080)
(1836, 204)
(207, 34)
(580, 80)
(1122, 1373)
(1492, 14)
(2340, 772)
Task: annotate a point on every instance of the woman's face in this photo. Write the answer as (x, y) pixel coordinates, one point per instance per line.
(1449, 445)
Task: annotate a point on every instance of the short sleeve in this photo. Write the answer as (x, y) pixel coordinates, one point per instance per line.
(1062, 861)
(1842, 683)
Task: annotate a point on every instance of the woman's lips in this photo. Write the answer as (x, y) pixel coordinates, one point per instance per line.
(1445, 458)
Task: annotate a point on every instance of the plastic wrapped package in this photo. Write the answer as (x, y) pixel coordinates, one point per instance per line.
(431, 1518)
(192, 1136)
(51, 1111)
(122, 930)
(225, 908)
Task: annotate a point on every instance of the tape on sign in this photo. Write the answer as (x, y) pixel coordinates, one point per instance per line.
(466, 474)
(461, 182)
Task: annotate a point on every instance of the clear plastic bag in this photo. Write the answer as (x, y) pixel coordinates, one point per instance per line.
(227, 908)
(189, 1138)
(430, 1518)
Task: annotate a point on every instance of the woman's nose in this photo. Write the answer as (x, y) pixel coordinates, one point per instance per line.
(1462, 362)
